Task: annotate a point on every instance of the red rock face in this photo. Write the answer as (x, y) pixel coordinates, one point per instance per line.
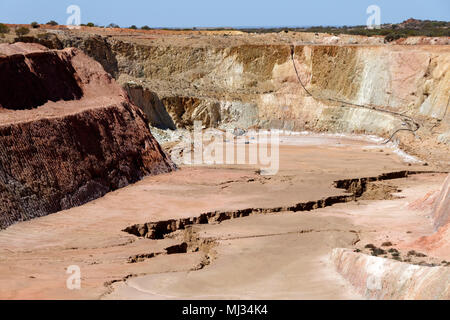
(41, 76)
(67, 153)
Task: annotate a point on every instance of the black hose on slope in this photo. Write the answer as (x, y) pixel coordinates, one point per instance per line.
(406, 119)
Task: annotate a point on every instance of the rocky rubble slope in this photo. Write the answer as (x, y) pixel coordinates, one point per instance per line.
(68, 133)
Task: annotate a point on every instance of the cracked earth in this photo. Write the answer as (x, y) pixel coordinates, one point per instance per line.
(182, 235)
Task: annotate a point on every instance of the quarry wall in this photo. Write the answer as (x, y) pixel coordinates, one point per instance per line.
(243, 82)
(413, 80)
(368, 89)
(60, 154)
(362, 89)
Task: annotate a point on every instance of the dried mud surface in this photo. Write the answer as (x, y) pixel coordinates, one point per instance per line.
(284, 252)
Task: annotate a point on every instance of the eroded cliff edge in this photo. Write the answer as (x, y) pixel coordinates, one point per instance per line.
(68, 133)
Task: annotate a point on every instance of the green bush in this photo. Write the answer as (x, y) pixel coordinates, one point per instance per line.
(90, 24)
(52, 23)
(390, 31)
(133, 27)
(145, 28)
(34, 25)
(393, 36)
(22, 31)
(3, 28)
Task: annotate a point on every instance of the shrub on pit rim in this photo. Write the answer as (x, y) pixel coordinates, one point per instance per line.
(393, 36)
(22, 31)
(3, 28)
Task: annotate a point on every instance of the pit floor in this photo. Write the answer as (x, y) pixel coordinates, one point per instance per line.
(267, 256)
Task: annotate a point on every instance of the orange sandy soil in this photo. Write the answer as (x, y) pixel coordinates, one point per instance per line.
(279, 255)
(286, 255)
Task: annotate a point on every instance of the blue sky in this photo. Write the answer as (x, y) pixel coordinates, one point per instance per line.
(227, 13)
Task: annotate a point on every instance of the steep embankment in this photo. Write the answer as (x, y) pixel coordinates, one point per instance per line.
(243, 81)
(373, 89)
(80, 137)
(411, 80)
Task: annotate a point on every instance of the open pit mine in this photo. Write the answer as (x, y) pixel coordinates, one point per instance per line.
(93, 122)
